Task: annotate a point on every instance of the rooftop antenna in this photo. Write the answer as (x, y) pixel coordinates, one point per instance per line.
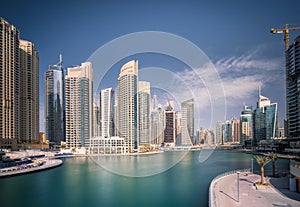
(60, 59)
(259, 91)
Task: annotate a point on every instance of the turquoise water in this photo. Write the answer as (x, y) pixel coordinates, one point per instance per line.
(93, 182)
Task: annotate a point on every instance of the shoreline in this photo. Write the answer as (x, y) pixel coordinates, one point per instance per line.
(226, 191)
(17, 170)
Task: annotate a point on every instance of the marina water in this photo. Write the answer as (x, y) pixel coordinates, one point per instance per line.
(180, 179)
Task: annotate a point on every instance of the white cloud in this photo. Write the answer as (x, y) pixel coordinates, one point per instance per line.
(240, 77)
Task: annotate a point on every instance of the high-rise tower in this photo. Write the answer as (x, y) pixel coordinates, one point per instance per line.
(96, 121)
(79, 105)
(293, 88)
(246, 126)
(9, 81)
(29, 92)
(169, 125)
(107, 103)
(55, 103)
(264, 119)
(144, 112)
(128, 105)
(187, 122)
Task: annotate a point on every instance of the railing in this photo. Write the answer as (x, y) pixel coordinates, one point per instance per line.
(212, 197)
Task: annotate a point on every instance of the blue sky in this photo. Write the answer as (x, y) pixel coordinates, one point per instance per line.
(233, 34)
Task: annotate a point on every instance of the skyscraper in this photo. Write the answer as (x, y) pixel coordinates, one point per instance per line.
(107, 103)
(246, 125)
(128, 105)
(144, 112)
(169, 125)
(178, 118)
(227, 132)
(219, 133)
(29, 92)
(157, 125)
(55, 103)
(235, 124)
(187, 122)
(9, 81)
(293, 89)
(264, 119)
(79, 105)
(96, 120)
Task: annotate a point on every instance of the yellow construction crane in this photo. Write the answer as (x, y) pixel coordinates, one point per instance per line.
(286, 34)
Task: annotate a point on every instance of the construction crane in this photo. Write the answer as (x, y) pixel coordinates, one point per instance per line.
(286, 34)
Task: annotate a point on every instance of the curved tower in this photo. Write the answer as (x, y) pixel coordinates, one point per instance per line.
(128, 105)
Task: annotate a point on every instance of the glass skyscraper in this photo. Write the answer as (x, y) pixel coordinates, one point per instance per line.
(265, 120)
(169, 125)
(246, 125)
(144, 112)
(157, 123)
(227, 132)
(187, 123)
(128, 105)
(107, 103)
(55, 103)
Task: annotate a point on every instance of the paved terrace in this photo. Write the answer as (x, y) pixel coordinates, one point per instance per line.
(223, 192)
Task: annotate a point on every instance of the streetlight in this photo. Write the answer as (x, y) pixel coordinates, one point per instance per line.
(238, 186)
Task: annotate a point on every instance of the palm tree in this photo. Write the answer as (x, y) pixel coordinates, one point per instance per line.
(262, 161)
(273, 156)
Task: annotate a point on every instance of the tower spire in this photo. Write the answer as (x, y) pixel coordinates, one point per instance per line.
(60, 60)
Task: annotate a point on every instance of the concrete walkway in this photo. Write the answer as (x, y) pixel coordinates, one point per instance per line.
(225, 193)
(19, 170)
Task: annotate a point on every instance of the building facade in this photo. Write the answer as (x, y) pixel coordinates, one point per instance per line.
(29, 93)
(169, 126)
(10, 85)
(264, 120)
(144, 112)
(157, 125)
(246, 124)
(219, 132)
(128, 105)
(293, 89)
(79, 105)
(96, 121)
(227, 132)
(107, 109)
(187, 122)
(55, 103)
(235, 124)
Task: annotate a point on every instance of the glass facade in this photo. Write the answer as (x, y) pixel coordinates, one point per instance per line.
(293, 88)
(144, 112)
(55, 104)
(265, 120)
(246, 125)
(128, 105)
(187, 123)
(107, 102)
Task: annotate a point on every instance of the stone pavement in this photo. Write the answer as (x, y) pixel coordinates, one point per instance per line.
(225, 193)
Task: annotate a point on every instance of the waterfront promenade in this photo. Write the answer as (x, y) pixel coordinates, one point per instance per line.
(224, 192)
(29, 168)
